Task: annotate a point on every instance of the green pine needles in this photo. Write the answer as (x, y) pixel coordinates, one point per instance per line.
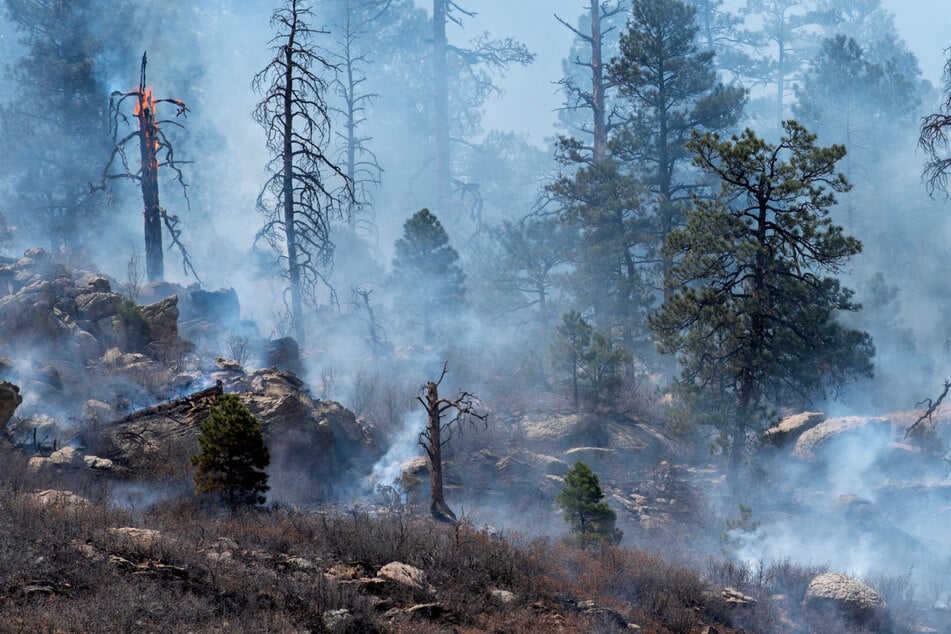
(591, 520)
(232, 455)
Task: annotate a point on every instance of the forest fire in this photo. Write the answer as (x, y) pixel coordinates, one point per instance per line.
(146, 102)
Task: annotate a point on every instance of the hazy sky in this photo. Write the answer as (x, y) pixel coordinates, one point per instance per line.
(924, 24)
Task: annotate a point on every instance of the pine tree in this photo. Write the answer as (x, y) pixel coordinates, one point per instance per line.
(672, 90)
(428, 280)
(752, 316)
(232, 455)
(591, 520)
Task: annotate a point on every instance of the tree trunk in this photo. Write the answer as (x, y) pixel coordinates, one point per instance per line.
(441, 107)
(152, 214)
(597, 85)
(290, 231)
(437, 501)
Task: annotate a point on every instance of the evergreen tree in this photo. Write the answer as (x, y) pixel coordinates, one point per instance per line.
(55, 132)
(604, 207)
(589, 360)
(752, 317)
(569, 350)
(429, 282)
(783, 40)
(232, 455)
(672, 90)
(591, 520)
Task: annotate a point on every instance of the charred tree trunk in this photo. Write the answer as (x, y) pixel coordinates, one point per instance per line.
(148, 147)
(437, 433)
(437, 499)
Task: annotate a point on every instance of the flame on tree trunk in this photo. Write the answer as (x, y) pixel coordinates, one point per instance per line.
(148, 144)
(155, 150)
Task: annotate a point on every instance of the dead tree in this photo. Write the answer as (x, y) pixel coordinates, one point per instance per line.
(595, 99)
(469, 66)
(306, 189)
(354, 28)
(934, 140)
(465, 409)
(155, 151)
(925, 421)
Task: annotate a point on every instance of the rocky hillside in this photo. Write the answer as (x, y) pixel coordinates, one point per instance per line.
(100, 402)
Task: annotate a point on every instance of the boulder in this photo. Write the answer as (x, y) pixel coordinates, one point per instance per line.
(96, 306)
(67, 499)
(812, 443)
(97, 411)
(845, 595)
(283, 354)
(10, 399)
(791, 427)
(406, 576)
(67, 457)
(162, 317)
(98, 464)
(218, 307)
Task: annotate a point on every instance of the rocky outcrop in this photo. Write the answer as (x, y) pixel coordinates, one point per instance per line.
(10, 399)
(790, 428)
(847, 596)
(306, 437)
(812, 443)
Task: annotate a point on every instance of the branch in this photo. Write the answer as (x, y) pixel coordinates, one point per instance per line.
(932, 406)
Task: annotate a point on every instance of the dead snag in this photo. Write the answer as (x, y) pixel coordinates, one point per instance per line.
(465, 409)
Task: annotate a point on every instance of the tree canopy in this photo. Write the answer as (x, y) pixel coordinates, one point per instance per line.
(754, 305)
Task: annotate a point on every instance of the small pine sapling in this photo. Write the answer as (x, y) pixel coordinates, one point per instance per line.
(591, 520)
(232, 455)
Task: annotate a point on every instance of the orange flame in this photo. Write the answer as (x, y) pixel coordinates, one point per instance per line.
(146, 101)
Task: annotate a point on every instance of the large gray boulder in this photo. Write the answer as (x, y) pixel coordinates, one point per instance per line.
(847, 596)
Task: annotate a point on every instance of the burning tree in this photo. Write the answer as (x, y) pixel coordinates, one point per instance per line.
(299, 198)
(155, 151)
(467, 409)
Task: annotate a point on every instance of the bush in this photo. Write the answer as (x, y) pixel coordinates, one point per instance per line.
(134, 325)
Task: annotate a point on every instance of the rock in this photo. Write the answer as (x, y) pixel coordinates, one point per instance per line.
(428, 610)
(38, 464)
(97, 463)
(338, 621)
(54, 497)
(864, 430)
(407, 576)
(67, 457)
(845, 595)
(218, 307)
(134, 540)
(735, 598)
(97, 411)
(10, 399)
(283, 354)
(791, 427)
(96, 306)
(162, 317)
(502, 596)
